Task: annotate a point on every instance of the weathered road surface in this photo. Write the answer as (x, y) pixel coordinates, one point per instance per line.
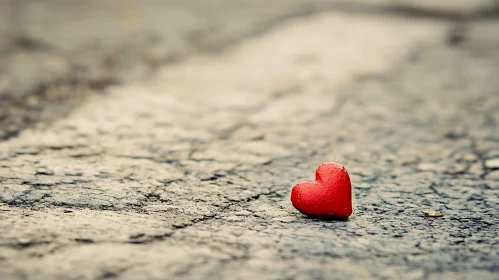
(186, 173)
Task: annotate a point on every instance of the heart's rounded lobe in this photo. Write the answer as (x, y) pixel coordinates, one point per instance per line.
(330, 195)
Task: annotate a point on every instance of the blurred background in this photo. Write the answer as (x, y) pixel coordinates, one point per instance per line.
(54, 52)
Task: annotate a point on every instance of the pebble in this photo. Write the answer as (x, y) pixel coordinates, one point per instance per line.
(432, 214)
(23, 241)
(492, 163)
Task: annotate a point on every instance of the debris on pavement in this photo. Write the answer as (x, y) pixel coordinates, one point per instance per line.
(492, 163)
(432, 214)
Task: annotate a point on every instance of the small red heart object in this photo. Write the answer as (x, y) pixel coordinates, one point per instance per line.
(329, 196)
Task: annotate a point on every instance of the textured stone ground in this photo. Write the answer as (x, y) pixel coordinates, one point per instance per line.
(185, 171)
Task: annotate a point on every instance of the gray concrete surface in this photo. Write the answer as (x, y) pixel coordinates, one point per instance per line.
(184, 171)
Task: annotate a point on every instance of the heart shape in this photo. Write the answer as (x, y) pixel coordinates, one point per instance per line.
(329, 196)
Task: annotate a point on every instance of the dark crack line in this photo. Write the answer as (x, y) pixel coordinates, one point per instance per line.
(481, 156)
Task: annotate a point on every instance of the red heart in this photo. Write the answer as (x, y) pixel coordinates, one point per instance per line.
(330, 195)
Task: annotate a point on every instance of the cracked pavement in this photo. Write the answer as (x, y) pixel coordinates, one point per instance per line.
(185, 172)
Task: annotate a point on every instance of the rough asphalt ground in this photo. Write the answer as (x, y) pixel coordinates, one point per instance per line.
(185, 172)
